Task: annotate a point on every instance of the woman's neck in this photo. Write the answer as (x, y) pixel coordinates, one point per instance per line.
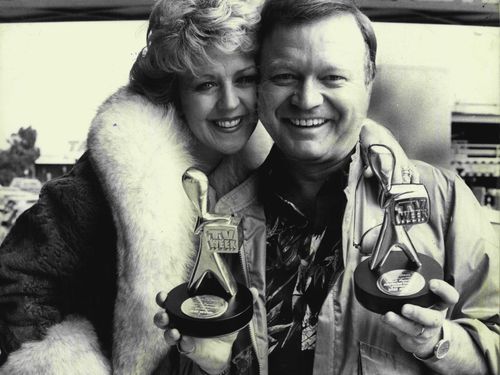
(205, 158)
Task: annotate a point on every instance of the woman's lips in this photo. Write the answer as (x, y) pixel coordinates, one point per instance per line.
(228, 123)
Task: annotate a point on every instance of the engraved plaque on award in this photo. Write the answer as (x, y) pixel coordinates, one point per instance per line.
(396, 274)
(212, 303)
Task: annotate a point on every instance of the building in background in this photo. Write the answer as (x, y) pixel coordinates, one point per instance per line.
(437, 88)
(51, 165)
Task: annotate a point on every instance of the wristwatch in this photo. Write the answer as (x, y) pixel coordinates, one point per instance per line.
(440, 350)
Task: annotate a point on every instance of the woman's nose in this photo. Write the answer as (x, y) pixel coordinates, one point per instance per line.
(228, 99)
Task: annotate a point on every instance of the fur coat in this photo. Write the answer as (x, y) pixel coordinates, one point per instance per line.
(138, 152)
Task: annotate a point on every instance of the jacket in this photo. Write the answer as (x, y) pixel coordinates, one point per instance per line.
(351, 339)
(80, 270)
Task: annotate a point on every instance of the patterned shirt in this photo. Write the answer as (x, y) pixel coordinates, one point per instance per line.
(303, 260)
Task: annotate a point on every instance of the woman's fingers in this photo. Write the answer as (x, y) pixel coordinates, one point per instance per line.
(160, 298)
(161, 319)
(187, 345)
(172, 336)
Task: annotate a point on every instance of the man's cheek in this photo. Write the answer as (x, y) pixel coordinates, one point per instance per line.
(265, 104)
(264, 92)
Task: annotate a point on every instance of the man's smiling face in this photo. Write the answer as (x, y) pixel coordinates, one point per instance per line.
(313, 95)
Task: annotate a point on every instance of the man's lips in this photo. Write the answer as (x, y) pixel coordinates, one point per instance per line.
(309, 122)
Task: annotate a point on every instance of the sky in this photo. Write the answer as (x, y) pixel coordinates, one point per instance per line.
(53, 76)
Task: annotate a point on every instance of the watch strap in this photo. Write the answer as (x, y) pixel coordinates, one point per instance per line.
(440, 349)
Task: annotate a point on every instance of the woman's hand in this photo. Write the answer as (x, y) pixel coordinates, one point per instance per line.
(419, 329)
(375, 134)
(211, 354)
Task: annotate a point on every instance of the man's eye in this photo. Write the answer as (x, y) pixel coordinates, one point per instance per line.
(333, 78)
(283, 78)
(204, 86)
(250, 79)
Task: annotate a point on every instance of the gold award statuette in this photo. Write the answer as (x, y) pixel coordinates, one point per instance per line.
(396, 274)
(212, 303)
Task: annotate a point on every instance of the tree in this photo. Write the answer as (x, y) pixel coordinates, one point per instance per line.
(20, 158)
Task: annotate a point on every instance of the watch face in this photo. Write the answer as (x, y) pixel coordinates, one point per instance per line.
(442, 349)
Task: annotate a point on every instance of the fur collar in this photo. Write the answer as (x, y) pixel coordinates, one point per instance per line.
(140, 152)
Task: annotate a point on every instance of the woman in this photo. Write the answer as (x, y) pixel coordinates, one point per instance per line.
(105, 239)
(79, 272)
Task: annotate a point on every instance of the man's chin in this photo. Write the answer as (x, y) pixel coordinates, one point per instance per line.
(304, 154)
(316, 154)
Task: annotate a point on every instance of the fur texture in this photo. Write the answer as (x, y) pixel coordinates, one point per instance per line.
(70, 347)
(140, 153)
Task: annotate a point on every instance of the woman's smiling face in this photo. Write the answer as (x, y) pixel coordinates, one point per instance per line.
(219, 103)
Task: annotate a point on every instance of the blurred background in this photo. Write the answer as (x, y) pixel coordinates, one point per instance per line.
(438, 86)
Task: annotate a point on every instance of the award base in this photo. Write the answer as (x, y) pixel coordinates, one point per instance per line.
(208, 315)
(397, 283)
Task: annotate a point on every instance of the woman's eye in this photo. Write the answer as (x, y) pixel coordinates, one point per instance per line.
(204, 86)
(247, 80)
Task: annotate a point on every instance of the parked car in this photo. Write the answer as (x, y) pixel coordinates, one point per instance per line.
(16, 198)
(31, 185)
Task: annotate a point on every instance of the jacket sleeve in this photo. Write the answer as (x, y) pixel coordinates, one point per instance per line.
(175, 364)
(44, 261)
(472, 266)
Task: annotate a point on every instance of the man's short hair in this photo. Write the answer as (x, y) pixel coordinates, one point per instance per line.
(296, 12)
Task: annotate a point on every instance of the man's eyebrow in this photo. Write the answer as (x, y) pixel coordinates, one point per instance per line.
(281, 63)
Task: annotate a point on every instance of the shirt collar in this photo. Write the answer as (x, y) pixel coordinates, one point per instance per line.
(276, 182)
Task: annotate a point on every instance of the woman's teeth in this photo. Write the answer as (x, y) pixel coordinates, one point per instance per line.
(308, 122)
(228, 123)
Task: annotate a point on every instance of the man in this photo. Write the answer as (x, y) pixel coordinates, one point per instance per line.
(317, 64)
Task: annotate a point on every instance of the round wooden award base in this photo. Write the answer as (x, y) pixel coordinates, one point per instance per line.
(208, 315)
(397, 283)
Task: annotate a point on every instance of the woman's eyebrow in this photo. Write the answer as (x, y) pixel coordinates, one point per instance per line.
(201, 77)
(250, 67)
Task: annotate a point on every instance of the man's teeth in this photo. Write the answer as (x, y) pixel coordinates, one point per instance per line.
(308, 122)
(228, 123)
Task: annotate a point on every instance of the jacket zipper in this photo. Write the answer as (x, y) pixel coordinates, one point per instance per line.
(335, 297)
(251, 330)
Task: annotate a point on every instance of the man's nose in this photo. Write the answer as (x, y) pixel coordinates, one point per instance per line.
(228, 98)
(307, 96)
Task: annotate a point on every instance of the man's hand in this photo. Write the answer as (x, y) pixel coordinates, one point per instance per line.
(419, 329)
(211, 354)
(373, 133)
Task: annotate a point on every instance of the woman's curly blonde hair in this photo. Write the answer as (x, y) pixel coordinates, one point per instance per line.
(180, 34)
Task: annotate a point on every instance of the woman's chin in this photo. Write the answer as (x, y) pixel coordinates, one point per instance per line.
(228, 144)
(229, 149)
